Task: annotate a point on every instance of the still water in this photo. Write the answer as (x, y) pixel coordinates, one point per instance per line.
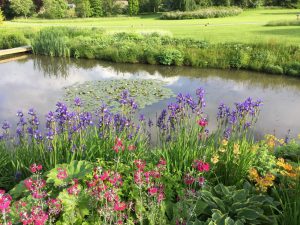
(37, 81)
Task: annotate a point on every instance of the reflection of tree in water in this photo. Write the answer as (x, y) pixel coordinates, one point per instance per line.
(52, 66)
(60, 67)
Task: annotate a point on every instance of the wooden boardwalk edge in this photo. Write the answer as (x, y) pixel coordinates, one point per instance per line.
(11, 51)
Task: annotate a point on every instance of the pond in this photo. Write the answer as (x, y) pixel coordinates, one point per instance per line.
(39, 82)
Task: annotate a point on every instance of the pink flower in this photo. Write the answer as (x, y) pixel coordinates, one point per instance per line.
(152, 191)
(160, 196)
(201, 180)
(55, 206)
(62, 173)
(34, 168)
(201, 166)
(202, 122)
(188, 179)
(131, 147)
(104, 176)
(140, 164)
(73, 190)
(138, 177)
(5, 200)
(118, 145)
(120, 206)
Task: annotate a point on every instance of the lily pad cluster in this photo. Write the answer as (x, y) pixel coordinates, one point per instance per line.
(95, 93)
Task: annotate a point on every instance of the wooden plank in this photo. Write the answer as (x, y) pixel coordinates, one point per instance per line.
(15, 50)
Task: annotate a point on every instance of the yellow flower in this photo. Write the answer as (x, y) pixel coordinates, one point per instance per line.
(281, 141)
(254, 148)
(222, 149)
(215, 159)
(253, 174)
(236, 149)
(224, 142)
(299, 136)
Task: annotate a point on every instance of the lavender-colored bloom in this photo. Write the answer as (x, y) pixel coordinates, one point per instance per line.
(50, 135)
(38, 135)
(200, 94)
(19, 132)
(32, 112)
(5, 125)
(180, 98)
(22, 122)
(161, 120)
(287, 137)
(30, 131)
(150, 123)
(77, 102)
(227, 133)
(20, 113)
(142, 118)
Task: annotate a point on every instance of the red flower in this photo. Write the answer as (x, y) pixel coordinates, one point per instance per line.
(73, 190)
(201, 166)
(202, 122)
(140, 164)
(201, 180)
(120, 206)
(34, 168)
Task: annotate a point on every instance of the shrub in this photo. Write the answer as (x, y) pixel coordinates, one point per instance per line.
(274, 69)
(293, 69)
(97, 8)
(12, 40)
(170, 56)
(202, 13)
(1, 17)
(55, 9)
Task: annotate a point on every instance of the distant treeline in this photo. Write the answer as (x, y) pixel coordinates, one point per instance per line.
(99, 8)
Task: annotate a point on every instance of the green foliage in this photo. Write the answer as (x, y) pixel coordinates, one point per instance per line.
(83, 8)
(170, 56)
(22, 7)
(290, 151)
(202, 13)
(133, 7)
(188, 5)
(227, 205)
(55, 9)
(284, 23)
(51, 42)
(12, 40)
(1, 17)
(97, 8)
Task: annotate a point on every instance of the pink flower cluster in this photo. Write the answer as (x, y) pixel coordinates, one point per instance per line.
(194, 177)
(150, 179)
(104, 187)
(119, 146)
(202, 122)
(5, 200)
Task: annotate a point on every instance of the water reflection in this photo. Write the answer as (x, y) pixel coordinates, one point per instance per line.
(39, 81)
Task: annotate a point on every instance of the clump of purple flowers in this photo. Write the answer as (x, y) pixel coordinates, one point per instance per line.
(239, 119)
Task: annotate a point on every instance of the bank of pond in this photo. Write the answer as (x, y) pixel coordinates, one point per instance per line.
(155, 48)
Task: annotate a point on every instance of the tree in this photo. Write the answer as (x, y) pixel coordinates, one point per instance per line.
(55, 8)
(1, 16)
(83, 8)
(22, 7)
(97, 8)
(133, 7)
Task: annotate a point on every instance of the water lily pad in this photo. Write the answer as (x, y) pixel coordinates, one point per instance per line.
(95, 93)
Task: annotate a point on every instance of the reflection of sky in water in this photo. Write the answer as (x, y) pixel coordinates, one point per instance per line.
(32, 82)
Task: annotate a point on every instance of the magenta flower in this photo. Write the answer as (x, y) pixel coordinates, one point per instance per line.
(62, 173)
(120, 206)
(34, 168)
(202, 122)
(5, 200)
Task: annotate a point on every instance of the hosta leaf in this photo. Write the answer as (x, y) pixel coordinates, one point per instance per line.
(249, 214)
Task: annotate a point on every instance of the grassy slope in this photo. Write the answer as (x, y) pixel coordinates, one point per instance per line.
(247, 27)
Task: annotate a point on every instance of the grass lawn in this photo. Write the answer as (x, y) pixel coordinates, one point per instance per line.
(247, 27)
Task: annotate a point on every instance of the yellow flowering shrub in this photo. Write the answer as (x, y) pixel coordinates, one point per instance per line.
(262, 183)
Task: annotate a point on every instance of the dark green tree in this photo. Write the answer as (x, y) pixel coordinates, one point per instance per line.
(97, 8)
(22, 7)
(83, 8)
(55, 8)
